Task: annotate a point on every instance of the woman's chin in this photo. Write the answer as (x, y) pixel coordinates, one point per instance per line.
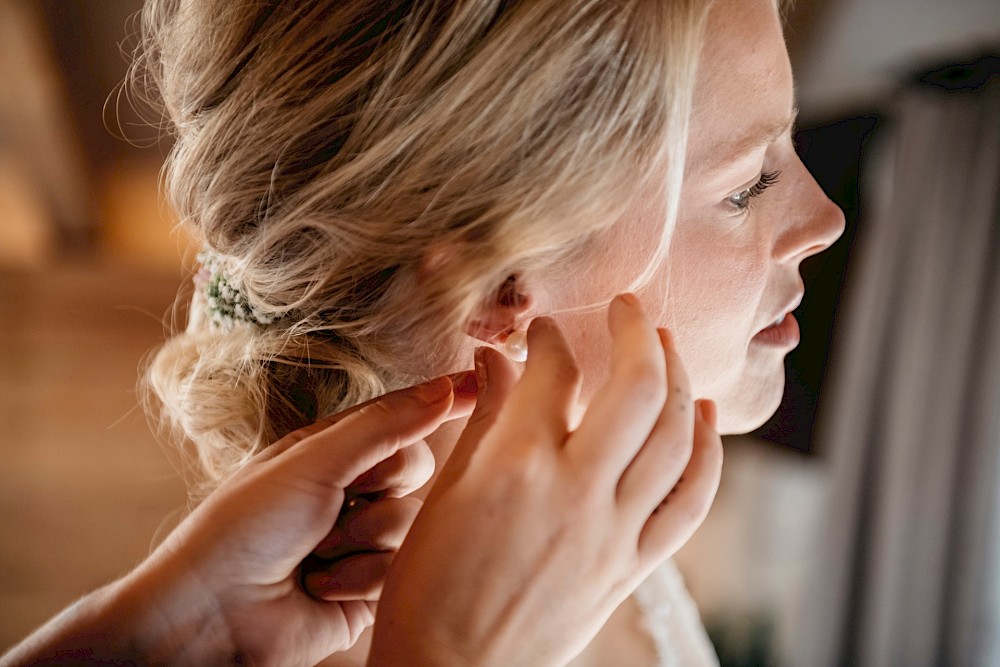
(740, 425)
(750, 409)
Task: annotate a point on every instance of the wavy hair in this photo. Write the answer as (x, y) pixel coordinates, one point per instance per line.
(324, 149)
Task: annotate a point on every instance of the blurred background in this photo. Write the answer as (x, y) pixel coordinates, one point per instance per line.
(860, 526)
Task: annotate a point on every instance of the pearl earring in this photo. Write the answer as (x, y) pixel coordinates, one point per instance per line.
(516, 345)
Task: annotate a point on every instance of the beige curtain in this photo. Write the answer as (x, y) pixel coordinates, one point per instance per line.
(910, 426)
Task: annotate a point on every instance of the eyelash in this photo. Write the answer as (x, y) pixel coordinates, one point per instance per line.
(741, 200)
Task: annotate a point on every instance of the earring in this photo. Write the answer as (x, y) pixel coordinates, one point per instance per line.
(516, 345)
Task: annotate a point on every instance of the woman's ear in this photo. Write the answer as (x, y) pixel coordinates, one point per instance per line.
(505, 311)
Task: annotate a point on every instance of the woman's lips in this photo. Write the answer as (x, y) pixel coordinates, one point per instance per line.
(783, 334)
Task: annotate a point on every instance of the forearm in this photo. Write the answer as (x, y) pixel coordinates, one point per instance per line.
(93, 629)
(128, 621)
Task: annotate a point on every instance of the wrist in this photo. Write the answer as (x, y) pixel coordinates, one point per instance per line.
(395, 646)
(174, 619)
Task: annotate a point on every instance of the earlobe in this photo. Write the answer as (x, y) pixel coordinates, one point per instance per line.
(505, 312)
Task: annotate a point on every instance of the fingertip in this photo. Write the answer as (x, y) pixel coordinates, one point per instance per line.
(539, 326)
(482, 372)
(464, 383)
(667, 339)
(624, 307)
(623, 303)
(493, 372)
(466, 390)
(436, 390)
(708, 412)
(628, 299)
(495, 376)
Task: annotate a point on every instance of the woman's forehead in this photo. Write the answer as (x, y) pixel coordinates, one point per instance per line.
(744, 97)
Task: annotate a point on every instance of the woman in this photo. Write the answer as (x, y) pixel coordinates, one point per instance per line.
(384, 187)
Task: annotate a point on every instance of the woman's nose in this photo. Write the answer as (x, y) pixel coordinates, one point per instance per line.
(812, 226)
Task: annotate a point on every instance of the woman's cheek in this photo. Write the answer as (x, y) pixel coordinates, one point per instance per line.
(714, 311)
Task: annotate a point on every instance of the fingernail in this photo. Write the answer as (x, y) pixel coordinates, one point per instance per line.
(464, 383)
(435, 390)
(629, 298)
(482, 377)
(707, 410)
(667, 338)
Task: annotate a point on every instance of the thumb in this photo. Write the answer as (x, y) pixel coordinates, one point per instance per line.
(337, 455)
(496, 377)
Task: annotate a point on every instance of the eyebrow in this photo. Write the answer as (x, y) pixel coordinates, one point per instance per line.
(760, 135)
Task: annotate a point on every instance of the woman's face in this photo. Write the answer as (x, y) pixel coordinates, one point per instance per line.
(732, 271)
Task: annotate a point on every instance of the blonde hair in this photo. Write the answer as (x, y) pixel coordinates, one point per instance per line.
(325, 150)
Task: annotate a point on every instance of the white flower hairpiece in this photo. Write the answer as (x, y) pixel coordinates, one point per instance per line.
(225, 302)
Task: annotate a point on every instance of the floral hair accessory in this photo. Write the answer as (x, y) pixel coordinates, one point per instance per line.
(226, 304)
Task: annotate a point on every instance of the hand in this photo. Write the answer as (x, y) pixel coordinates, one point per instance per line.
(534, 533)
(242, 547)
(226, 582)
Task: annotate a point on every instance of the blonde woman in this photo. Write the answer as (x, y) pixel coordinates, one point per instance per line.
(390, 190)
(383, 187)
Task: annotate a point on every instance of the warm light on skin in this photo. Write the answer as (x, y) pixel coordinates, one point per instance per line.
(729, 274)
(731, 151)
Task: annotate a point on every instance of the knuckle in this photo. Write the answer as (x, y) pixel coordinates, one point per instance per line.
(678, 457)
(419, 465)
(391, 472)
(378, 410)
(407, 462)
(521, 469)
(590, 488)
(525, 435)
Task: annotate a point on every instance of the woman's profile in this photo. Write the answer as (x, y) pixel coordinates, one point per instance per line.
(383, 187)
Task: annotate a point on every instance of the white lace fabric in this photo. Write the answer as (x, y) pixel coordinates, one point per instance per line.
(672, 620)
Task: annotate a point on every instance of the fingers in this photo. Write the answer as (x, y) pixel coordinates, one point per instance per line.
(352, 561)
(356, 615)
(358, 577)
(624, 411)
(541, 404)
(496, 377)
(466, 391)
(669, 527)
(662, 459)
(402, 473)
(337, 455)
(378, 526)
(464, 394)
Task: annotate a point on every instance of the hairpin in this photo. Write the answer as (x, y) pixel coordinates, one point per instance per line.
(225, 302)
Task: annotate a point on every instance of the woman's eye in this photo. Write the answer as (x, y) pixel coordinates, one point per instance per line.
(741, 200)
